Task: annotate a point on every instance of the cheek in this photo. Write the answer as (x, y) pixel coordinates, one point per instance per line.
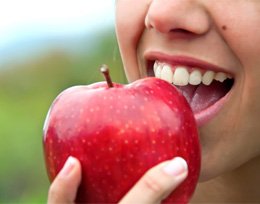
(242, 36)
(238, 23)
(244, 39)
(245, 42)
(129, 29)
(242, 33)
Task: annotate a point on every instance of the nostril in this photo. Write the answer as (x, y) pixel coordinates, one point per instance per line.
(179, 30)
(181, 33)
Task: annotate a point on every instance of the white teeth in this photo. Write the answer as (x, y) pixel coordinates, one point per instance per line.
(166, 73)
(157, 70)
(221, 76)
(155, 66)
(208, 77)
(229, 76)
(180, 75)
(195, 77)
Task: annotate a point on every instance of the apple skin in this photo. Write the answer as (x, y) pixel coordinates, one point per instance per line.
(118, 134)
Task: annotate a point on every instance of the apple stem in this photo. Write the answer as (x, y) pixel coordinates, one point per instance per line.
(105, 71)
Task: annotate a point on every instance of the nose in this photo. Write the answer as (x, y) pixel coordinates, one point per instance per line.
(177, 16)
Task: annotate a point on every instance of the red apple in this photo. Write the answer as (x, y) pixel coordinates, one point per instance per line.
(118, 132)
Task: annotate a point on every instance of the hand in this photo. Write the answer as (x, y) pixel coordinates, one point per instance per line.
(64, 187)
(153, 187)
(158, 182)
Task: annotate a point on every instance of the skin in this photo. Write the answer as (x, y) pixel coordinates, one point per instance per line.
(223, 33)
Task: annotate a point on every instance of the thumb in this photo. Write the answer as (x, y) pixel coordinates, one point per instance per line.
(158, 182)
(64, 187)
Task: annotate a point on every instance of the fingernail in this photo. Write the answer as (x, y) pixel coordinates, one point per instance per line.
(176, 167)
(68, 166)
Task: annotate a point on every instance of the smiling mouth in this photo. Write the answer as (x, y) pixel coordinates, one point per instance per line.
(206, 90)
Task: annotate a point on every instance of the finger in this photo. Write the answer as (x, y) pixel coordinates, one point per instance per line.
(158, 182)
(64, 187)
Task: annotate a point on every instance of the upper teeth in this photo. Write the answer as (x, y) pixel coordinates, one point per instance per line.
(181, 76)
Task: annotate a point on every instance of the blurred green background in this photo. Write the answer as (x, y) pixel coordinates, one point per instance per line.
(29, 82)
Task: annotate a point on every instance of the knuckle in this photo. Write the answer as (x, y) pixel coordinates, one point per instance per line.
(53, 194)
(153, 184)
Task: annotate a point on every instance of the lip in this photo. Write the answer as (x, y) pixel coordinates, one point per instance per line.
(209, 113)
(183, 60)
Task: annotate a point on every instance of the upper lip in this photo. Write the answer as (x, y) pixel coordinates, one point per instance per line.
(183, 60)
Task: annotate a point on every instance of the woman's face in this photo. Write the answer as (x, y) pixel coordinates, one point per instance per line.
(187, 39)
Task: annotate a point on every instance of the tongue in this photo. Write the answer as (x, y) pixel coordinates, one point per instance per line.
(201, 97)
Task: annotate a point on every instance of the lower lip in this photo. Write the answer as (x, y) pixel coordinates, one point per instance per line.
(206, 115)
